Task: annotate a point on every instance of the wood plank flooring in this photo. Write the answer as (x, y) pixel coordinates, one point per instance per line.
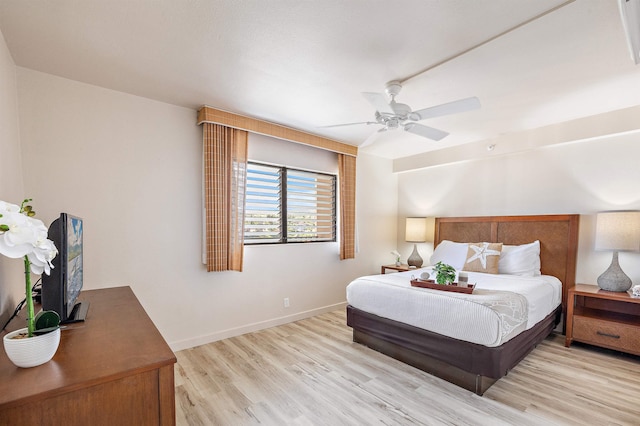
(311, 373)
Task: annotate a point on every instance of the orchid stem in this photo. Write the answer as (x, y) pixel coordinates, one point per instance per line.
(30, 311)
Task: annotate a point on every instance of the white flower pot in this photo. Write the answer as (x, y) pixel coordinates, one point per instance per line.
(32, 351)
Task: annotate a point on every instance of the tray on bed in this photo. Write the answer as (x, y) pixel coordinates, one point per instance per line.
(450, 287)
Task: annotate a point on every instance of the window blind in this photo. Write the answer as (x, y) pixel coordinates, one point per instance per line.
(263, 211)
(310, 206)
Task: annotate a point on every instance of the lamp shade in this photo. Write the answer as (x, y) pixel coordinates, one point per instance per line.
(618, 230)
(416, 230)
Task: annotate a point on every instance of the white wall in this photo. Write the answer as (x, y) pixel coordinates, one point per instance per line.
(11, 187)
(130, 167)
(582, 177)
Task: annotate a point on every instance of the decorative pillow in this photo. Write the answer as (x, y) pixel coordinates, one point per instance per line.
(523, 260)
(451, 253)
(483, 257)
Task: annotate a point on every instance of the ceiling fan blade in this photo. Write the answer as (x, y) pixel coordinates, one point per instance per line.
(454, 107)
(379, 102)
(425, 131)
(371, 138)
(348, 124)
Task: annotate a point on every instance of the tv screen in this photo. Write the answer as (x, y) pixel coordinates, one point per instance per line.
(60, 289)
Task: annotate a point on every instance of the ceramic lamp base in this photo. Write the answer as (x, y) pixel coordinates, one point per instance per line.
(614, 278)
(415, 260)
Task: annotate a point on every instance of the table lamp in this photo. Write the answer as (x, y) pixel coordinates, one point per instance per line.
(617, 231)
(415, 232)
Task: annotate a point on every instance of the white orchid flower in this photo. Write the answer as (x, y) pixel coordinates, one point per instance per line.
(41, 257)
(8, 207)
(22, 235)
(17, 240)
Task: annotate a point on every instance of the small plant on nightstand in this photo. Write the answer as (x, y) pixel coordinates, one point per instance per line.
(396, 255)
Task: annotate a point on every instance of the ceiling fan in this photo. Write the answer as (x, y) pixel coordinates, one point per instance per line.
(393, 115)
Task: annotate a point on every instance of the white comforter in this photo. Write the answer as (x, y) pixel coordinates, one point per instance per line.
(500, 307)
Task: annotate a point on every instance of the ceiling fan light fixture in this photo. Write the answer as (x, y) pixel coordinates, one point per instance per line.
(393, 123)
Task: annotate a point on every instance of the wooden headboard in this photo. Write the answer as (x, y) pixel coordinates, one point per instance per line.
(558, 236)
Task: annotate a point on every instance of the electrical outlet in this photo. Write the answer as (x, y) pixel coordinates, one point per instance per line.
(286, 302)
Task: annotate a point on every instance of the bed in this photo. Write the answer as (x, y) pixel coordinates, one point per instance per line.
(477, 365)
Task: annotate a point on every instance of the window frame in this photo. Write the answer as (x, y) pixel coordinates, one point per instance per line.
(283, 173)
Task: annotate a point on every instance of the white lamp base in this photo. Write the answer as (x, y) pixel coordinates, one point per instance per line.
(614, 279)
(415, 260)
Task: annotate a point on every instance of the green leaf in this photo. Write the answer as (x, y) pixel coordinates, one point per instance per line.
(47, 319)
(4, 228)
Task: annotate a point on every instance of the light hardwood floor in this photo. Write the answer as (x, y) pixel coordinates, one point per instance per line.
(311, 373)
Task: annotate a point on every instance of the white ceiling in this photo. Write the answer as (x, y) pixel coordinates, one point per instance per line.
(304, 64)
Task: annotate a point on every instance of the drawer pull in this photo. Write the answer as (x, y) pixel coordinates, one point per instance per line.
(614, 336)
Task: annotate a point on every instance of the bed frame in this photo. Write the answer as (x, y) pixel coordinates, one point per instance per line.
(469, 365)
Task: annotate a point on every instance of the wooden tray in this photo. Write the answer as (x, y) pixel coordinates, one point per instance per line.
(450, 287)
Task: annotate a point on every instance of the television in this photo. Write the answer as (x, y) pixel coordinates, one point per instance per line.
(60, 289)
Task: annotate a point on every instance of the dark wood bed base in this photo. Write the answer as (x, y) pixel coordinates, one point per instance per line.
(468, 365)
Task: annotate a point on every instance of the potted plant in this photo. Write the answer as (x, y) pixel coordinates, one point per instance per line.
(396, 255)
(445, 274)
(23, 236)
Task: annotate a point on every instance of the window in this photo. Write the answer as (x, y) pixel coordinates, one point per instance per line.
(285, 205)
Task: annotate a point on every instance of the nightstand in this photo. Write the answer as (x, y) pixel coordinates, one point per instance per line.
(383, 268)
(603, 318)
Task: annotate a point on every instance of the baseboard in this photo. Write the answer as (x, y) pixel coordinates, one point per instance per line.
(232, 332)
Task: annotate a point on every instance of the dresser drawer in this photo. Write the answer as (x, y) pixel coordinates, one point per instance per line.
(607, 334)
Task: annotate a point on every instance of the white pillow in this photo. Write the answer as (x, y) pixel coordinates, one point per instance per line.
(451, 253)
(523, 260)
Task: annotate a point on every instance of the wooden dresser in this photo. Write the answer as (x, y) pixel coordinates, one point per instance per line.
(113, 369)
(603, 318)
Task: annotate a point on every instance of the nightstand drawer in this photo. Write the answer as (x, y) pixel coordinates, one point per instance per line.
(608, 334)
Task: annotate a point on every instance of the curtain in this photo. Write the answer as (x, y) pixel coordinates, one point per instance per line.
(225, 172)
(347, 178)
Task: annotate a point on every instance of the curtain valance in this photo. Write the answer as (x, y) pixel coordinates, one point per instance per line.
(207, 114)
